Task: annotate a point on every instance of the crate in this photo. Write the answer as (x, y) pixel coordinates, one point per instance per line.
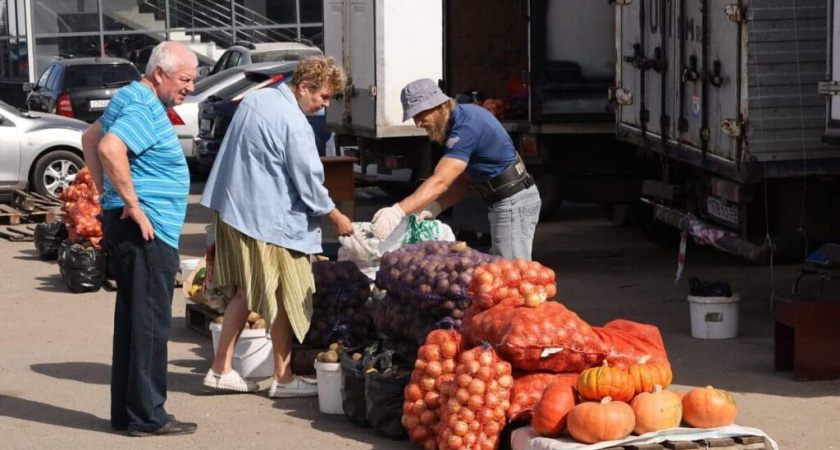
(198, 318)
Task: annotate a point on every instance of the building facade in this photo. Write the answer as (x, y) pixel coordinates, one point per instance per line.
(34, 33)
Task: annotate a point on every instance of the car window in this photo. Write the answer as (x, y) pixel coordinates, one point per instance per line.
(212, 80)
(220, 65)
(42, 82)
(283, 55)
(104, 75)
(234, 60)
(53, 82)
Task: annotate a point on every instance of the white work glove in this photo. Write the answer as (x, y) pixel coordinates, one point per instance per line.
(430, 212)
(386, 219)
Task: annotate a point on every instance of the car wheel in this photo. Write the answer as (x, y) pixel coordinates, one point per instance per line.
(55, 171)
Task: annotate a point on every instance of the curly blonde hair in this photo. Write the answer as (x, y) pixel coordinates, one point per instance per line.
(320, 72)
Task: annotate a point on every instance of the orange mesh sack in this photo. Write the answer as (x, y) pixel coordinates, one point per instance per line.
(548, 337)
(479, 397)
(630, 341)
(433, 372)
(528, 388)
(493, 282)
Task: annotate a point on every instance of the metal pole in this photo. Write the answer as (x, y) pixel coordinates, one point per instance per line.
(233, 20)
(101, 28)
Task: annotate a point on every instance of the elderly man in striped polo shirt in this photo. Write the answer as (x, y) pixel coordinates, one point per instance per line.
(139, 168)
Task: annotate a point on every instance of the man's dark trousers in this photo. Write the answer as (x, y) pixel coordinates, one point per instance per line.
(145, 276)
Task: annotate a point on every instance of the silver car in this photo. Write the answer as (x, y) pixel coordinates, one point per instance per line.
(184, 117)
(38, 151)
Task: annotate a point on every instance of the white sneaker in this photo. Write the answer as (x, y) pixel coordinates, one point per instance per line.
(297, 388)
(228, 383)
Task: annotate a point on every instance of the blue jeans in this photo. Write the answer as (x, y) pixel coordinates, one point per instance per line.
(145, 275)
(513, 222)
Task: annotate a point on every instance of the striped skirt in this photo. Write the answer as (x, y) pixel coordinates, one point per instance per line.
(269, 273)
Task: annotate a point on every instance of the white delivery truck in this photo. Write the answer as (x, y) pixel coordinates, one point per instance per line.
(550, 61)
(725, 94)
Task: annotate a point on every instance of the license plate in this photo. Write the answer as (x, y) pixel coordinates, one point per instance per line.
(99, 104)
(720, 210)
(204, 125)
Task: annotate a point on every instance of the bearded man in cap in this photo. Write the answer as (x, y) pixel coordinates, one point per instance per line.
(477, 152)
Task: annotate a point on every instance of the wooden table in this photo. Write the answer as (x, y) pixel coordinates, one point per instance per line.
(807, 337)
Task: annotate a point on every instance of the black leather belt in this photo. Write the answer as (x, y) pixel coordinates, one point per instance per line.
(513, 180)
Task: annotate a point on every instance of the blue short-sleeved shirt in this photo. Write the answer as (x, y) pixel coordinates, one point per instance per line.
(477, 138)
(158, 167)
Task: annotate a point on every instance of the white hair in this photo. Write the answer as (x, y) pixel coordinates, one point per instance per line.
(170, 56)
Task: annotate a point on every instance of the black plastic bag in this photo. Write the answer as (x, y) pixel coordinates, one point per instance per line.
(709, 288)
(48, 238)
(353, 384)
(82, 265)
(384, 395)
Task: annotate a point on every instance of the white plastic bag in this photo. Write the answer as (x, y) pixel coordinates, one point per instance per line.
(411, 231)
(362, 248)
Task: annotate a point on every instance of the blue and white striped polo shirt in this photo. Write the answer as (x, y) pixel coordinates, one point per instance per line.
(158, 167)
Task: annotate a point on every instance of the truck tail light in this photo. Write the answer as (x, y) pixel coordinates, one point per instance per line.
(174, 117)
(64, 107)
(528, 145)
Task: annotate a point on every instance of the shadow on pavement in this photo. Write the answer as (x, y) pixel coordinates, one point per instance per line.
(29, 255)
(339, 425)
(52, 283)
(99, 373)
(23, 409)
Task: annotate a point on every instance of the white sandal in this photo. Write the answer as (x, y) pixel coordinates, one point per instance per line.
(230, 382)
(297, 388)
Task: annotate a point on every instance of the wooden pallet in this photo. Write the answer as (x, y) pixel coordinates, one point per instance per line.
(736, 443)
(30, 201)
(9, 215)
(21, 233)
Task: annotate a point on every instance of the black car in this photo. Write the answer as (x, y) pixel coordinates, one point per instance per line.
(80, 88)
(215, 113)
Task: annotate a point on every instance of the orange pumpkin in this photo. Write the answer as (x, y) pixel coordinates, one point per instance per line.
(605, 381)
(656, 411)
(709, 408)
(592, 422)
(646, 375)
(549, 414)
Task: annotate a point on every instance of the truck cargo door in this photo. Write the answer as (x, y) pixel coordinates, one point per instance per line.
(646, 45)
(689, 63)
(722, 79)
(351, 39)
(832, 87)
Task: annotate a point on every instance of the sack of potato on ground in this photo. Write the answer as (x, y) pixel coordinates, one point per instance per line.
(341, 309)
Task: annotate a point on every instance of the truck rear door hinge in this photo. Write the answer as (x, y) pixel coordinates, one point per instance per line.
(620, 96)
(621, 2)
(829, 88)
(733, 128)
(372, 90)
(735, 13)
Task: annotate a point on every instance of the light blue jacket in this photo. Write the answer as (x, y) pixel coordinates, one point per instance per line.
(268, 180)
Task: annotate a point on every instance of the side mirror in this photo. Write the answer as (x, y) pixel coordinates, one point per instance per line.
(28, 87)
(204, 71)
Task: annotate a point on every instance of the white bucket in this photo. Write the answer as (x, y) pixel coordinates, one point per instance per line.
(329, 387)
(187, 266)
(714, 317)
(252, 354)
